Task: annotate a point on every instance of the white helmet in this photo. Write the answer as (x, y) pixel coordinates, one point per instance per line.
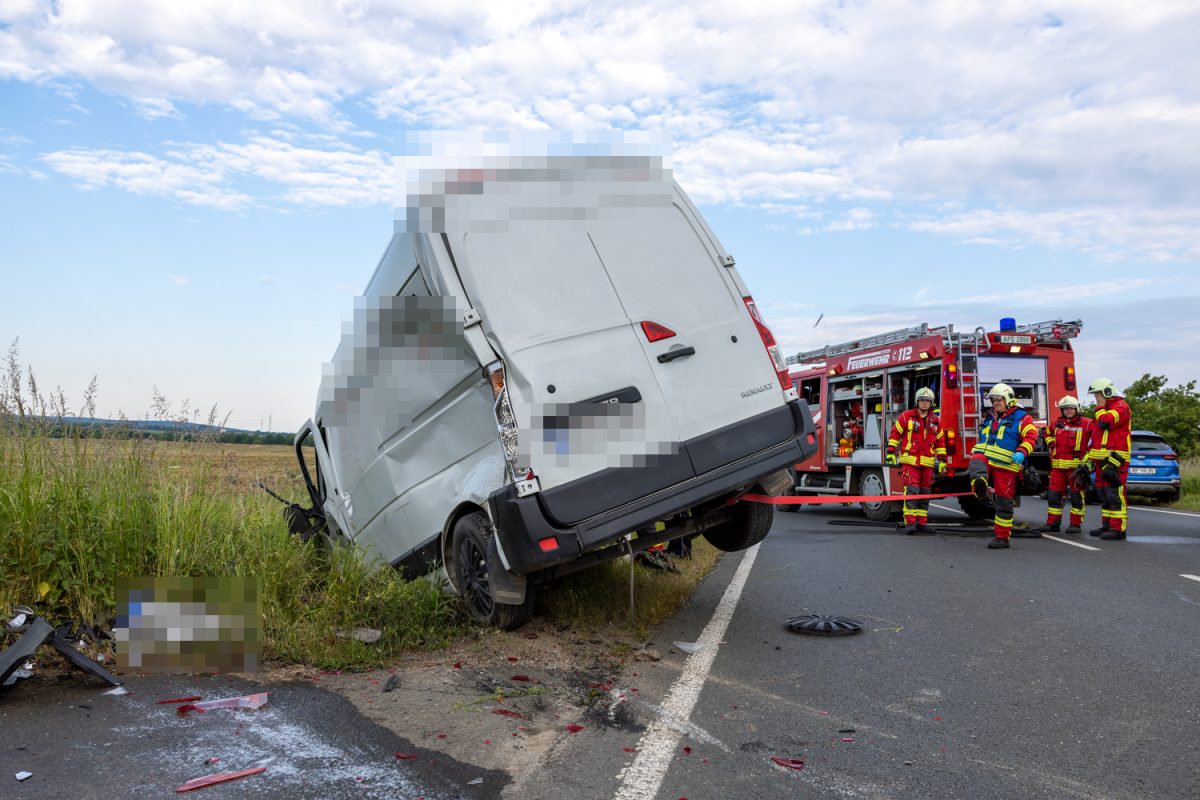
(1005, 392)
(925, 393)
(1068, 402)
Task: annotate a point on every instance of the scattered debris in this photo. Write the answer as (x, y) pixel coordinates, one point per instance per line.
(474, 781)
(191, 699)
(512, 658)
(403, 756)
(38, 632)
(908, 763)
(790, 763)
(392, 682)
(118, 690)
(687, 751)
(504, 712)
(211, 761)
(648, 654)
(245, 701)
(846, 730)
(364, 635)
(822, 625)
(20, 673)
(573, 728)
(688, 647)
(847, 739)
(520, 678)
(22, 775)
(220, 777)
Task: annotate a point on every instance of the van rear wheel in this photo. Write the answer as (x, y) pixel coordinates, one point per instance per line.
(750, 524)
(471, 572)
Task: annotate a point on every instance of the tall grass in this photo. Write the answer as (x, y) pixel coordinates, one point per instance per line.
(1190, 491)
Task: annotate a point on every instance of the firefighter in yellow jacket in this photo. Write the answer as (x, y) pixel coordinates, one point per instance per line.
(918, 444)
(1005, 441)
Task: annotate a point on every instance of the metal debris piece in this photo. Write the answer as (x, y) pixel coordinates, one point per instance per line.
(474, 781)
(364, 635)
(22, 775)
(220, 777)
(822, 625)
(688, 647)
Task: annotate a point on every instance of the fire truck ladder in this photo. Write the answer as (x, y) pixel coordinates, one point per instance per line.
(968, 384)
(871, 342)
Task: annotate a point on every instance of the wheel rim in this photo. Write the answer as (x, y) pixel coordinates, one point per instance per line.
(872, 484)
(473, 578)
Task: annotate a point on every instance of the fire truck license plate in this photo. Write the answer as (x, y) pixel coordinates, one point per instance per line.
(1141, 470)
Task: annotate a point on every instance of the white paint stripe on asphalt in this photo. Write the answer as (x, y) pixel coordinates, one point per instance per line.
(1163, 511)
(948, 508)
(641, 779)
(1190, 577)
(1068, 541)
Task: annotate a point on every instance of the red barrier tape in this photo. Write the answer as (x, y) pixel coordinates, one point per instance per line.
(840, 498)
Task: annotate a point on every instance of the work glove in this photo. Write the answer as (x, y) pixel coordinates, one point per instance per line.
(939, 466)
(1032, 479)
(1115, 459)
(1104, 424)
(1110, 475)
(1018, 458)
(890, 458)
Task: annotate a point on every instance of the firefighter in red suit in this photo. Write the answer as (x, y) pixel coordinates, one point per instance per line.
(918, 444)
(1005, 441)
(1068, 441)
(1108, 456)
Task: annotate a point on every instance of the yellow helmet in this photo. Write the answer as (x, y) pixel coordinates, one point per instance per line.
(925, 394)
(1102, 386)
(1004, 391)
(1068, 402)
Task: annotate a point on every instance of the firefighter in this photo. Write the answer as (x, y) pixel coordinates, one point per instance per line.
(1108, 457)
(1068, 440)
(918, 444)
(1005, 441)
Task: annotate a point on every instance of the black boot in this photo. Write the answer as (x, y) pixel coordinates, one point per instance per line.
(1048, 528)
(911, 529)
(1072, 529)
(1103, 529)
(998, 544)
(1111, 535)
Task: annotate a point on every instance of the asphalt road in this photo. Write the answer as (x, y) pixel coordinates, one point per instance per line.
(1047, 670)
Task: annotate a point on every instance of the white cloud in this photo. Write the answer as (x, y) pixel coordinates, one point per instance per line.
(1073, 130)
(144, 174)
(178, 280)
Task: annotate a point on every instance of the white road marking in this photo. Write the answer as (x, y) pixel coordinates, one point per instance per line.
(642, 779)
(1163, 511)
(1190, 577)
(1068, 541)
(948, 508)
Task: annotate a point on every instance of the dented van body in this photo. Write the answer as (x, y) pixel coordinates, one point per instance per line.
(553, 364)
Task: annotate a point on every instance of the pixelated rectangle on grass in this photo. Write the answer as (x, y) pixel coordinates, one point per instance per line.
(182, 624)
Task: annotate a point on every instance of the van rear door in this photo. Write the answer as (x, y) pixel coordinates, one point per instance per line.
(665, 271)
(586, 399)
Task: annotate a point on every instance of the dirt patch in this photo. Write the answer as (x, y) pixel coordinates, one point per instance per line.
(493, 699)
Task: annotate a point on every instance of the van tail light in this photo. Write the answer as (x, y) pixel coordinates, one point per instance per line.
(655, 332)
(1170, 456)
(951, 443)
(951, 376)
(768, 340)
(506, 422)
(1069, 378)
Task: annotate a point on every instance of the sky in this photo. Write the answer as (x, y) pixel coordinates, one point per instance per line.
(191, 194)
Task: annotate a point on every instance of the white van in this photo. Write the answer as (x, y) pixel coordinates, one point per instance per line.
(554, 364)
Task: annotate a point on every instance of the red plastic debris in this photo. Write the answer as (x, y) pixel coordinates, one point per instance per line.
(522, 678)
(441, 736)
(937, 719)
(487, 741)
(220, 777)
(573, 728)
(504, 712)
(629, 749)
(187, 707)
(512, 658)
(790, 763)
(847, 739)
(191, 699)
(687, 751)
(404, 755)
(705, 761)
(458, 665)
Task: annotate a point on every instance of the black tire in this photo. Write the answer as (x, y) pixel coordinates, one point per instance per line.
(750, 524)
(1173, 497)
(468, 544)
(974, 508)
(872, 483)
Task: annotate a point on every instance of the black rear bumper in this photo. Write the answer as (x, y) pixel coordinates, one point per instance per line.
(522, 522)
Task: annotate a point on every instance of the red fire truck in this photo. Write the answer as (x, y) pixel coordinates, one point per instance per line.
(855, 391)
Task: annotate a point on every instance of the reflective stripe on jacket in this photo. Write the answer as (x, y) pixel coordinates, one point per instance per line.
(999, 438)
(919, 441)
(1116, 439)
(1069, 444)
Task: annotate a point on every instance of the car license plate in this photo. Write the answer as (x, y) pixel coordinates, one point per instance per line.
(1142, 470)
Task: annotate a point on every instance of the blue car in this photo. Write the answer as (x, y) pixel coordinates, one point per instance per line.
(1153, 468)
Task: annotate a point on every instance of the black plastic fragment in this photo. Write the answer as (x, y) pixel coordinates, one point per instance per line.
(821, 625)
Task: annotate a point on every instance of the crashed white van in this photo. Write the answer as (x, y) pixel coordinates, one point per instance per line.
(554, 364)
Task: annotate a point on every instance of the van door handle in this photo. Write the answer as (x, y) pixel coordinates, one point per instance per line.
(671, 355)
